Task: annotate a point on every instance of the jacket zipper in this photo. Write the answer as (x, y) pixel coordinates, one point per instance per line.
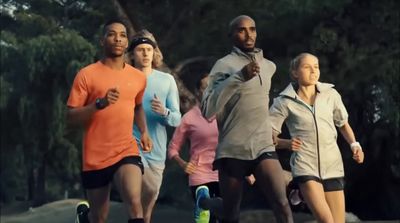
(317, 135)
(318, 152)
(253, 59)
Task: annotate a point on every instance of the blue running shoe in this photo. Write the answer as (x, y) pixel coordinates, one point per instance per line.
(82, 212)
(201, 215)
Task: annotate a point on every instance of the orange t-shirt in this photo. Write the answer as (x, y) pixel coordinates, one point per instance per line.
(108, 136)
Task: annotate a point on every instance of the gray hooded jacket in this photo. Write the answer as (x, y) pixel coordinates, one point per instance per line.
(319, 155)
(240, 107)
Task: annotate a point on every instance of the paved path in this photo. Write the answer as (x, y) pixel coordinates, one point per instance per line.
(63, 212)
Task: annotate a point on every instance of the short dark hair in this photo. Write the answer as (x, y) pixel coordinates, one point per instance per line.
(112, 21)
(235, 21)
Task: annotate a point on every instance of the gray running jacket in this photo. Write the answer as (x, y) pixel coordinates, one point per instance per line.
(240, 107)
(319, 155)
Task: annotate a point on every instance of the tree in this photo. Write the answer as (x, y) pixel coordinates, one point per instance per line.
(361, 47)
(39, 60)
(44, 42)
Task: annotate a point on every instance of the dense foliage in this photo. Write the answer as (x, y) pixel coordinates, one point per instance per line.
(45, 42)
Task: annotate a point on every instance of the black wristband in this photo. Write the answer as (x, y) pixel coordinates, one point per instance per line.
(166, 113)
(101, 103)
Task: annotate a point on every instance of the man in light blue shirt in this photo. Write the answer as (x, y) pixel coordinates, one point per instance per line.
(161, 106)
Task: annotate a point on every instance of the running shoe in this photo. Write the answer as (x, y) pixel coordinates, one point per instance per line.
(82, 212)
(201, 215)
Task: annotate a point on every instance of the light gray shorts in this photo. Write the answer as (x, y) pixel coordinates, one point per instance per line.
(152, 179)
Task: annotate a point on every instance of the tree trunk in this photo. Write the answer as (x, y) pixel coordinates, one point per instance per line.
(123, 15)
(39, 193)
(31, 184)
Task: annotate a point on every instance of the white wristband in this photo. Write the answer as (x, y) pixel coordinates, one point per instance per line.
(355, 144)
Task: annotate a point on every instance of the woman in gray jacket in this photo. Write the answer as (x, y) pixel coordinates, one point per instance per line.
(312, 110)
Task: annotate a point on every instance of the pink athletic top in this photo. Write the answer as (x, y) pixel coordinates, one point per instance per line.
(203, 137)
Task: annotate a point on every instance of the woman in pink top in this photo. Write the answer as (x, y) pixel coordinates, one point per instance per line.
(202, 135)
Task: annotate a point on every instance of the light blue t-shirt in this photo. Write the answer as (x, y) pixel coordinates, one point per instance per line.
(163, 85)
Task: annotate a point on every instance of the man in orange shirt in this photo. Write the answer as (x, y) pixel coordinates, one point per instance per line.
(106, 98)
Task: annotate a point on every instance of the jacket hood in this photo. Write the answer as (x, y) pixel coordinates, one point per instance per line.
(290, 92)
(256, 53)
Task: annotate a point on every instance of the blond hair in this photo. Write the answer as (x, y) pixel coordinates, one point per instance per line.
(295, 62)
(157, 56)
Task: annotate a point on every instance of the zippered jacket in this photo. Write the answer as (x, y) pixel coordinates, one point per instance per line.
(316, 126)
(240, 107)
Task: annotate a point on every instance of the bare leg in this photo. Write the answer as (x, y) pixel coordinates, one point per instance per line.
(336, 203)
(269, 175)
(231, 189)
(314, 195)
(149, 199)
(128, 180)
(99, 201)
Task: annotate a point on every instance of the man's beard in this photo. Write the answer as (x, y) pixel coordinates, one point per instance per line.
(114, 55)
(246, 50)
